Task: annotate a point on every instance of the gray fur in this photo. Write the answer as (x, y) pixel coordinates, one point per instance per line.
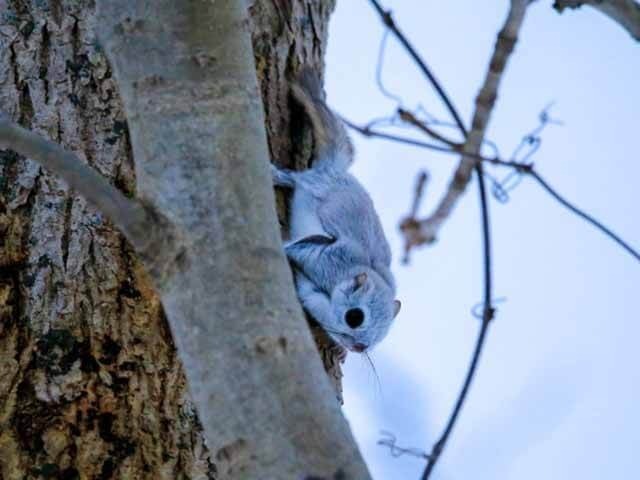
(336, 235)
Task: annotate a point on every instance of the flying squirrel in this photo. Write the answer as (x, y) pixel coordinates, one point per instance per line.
(340, 255)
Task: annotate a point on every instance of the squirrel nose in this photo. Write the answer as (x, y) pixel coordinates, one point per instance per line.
(354, 317)
(359, 347)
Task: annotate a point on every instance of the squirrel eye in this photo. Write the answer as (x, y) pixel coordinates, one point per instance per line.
(354, 317)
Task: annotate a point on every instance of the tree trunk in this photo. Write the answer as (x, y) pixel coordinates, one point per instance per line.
(90, 384)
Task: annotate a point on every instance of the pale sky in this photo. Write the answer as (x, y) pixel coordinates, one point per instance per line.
(557, 392)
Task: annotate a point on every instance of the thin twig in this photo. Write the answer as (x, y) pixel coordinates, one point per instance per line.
(128, 215)
(529, 144)
(582, 214)
(381, 87)
(371, 133)
(397, 451)
(487, 316)
(421, 182)
(409, 224)
(387, 19)
(410, 118)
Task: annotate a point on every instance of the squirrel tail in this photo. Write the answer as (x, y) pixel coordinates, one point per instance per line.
(332, 146)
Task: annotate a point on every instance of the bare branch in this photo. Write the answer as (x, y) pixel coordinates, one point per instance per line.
(128, 215)
(486, 237)
(440, 444)
(387, 19)
(395, 450)
(624, 12)
(381, 87)
(421, 181)
(371, 133)
(473, 160)
(410, 118)
(410, 226)
(484, 105)
(582, 214)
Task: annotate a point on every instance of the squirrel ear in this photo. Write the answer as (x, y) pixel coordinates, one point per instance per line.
(396, 307)
(361, 279)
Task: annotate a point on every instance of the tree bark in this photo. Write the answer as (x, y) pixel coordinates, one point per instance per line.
(90, 383)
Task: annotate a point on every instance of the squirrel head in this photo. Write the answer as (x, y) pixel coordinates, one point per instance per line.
(364, 308)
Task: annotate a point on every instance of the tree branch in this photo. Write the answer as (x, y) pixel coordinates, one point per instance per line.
(387, 19)
(128, 215)
(411, 228)
(371, 133)
(198, 136)
(624, 12)
(484, 105)
(488, 311)
(485, 101)
(410, 118)
(582, 214)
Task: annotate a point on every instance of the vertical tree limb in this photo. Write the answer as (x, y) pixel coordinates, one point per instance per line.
(187, 79)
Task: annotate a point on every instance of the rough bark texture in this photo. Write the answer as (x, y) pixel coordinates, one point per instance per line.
(286, 35)
(90, 385)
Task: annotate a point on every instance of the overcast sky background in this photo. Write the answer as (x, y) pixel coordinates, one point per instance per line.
(557, 392)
